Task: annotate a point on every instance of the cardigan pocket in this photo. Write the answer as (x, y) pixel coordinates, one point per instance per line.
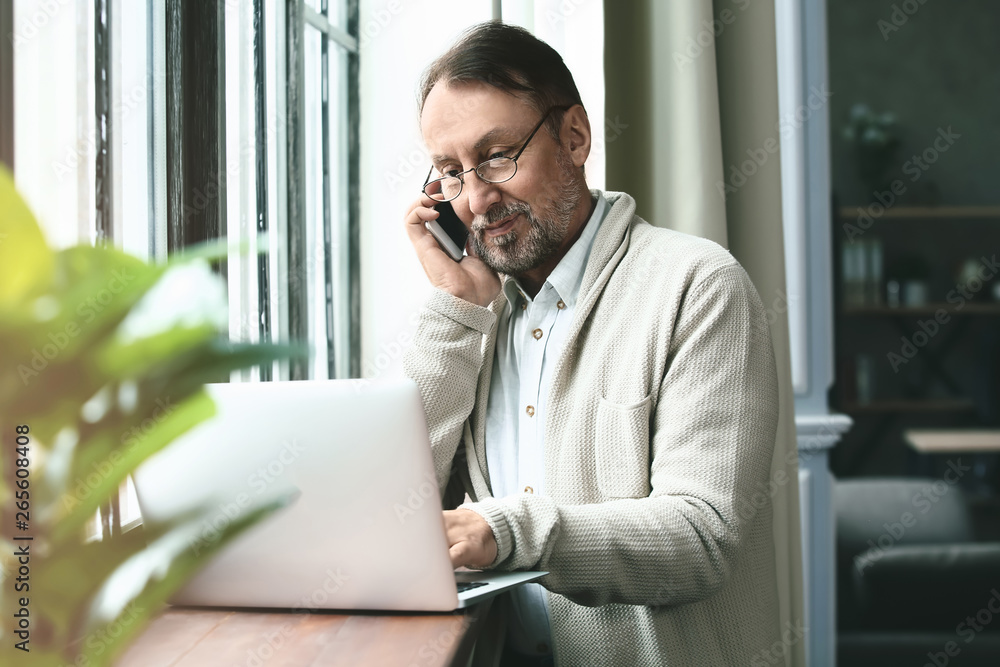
(622, 448)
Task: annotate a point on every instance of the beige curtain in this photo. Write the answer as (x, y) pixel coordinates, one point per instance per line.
(697, 88)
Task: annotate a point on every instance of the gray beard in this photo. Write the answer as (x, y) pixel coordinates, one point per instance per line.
(512, 253)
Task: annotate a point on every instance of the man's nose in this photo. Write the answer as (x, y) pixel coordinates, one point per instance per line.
(482, 195)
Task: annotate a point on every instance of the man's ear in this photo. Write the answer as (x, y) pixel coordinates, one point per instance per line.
(575, 134)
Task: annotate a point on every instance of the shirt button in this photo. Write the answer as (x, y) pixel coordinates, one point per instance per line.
(528, 489)
(524, 306)
(560, 304)
(537, 333)
(530, 410)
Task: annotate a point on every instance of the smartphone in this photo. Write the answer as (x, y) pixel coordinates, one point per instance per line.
(449, 230)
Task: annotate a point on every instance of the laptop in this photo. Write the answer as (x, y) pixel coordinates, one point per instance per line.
(364, 530)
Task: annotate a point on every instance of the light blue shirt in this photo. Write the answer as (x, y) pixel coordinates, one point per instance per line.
(530, 338)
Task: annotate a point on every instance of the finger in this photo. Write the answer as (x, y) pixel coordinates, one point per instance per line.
(419, 215)
(448, 517)
(416, 226)
(423, 203)
(427, 247)
(459, 554)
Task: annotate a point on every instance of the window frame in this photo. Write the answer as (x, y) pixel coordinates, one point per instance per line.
(185, 131)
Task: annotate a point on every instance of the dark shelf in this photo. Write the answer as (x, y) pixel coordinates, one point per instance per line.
(916, 405)
(927, 212)
(968, 308)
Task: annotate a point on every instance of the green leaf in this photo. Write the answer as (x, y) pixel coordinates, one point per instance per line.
(217, 249)
(70, 578)
(61, 317)
(217, 359)
(25, 257)
(75, 509)
(95, 289)
(139, 357)
(173, 546)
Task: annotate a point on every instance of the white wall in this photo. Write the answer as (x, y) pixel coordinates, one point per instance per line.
(574, 28)
(398, 40)
(54, 127)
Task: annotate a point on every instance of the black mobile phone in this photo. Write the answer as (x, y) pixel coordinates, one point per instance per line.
(449, 230)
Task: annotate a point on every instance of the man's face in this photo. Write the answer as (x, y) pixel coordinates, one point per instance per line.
(514, 226)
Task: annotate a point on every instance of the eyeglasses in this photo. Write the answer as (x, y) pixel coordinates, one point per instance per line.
(494, 170)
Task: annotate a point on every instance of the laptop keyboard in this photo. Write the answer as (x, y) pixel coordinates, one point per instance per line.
(469, 585)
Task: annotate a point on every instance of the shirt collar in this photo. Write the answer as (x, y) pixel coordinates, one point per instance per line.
(567, 276)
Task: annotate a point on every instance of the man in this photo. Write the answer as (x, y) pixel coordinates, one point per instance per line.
(604, 391)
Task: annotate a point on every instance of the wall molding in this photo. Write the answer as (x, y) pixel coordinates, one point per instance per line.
(820, 431)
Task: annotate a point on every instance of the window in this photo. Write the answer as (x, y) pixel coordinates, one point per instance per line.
(291, 159)
(157, 124)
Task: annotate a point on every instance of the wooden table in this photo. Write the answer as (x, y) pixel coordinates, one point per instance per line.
(947, 441)
(192, 637)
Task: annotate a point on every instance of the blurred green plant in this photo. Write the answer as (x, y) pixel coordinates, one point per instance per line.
(875, 138)
(89, 351)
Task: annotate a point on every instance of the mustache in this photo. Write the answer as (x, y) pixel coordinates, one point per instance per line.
(495, 215)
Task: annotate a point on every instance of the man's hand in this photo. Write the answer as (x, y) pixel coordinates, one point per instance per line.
(469, 279)
(470, 539)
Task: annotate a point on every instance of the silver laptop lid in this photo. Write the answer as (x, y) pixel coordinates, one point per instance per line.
(365, 531)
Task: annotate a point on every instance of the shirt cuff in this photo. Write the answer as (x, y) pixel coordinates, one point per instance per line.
(464, 312)
(490, 510)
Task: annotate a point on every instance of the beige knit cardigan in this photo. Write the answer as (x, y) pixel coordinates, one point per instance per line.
(656, 528)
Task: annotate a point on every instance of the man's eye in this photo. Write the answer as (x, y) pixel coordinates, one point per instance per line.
(449, 172)
(497, 154)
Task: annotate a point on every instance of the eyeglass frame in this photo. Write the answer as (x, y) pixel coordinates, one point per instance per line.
(461, 174)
